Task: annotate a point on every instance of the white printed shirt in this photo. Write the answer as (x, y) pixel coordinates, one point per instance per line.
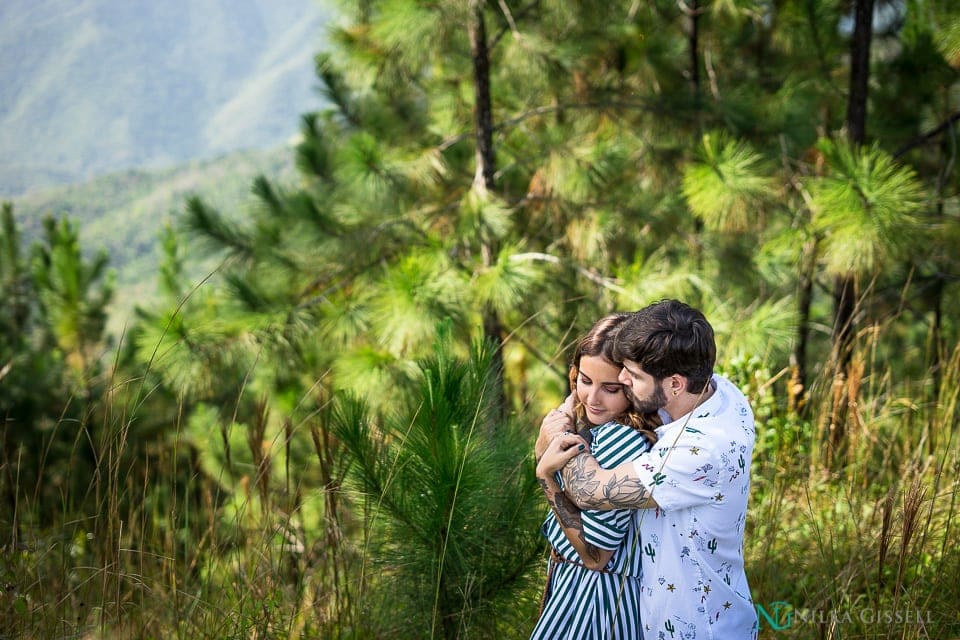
(694, 586)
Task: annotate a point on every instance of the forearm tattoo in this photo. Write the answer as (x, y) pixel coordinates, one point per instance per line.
(587, 491)
(569, 517)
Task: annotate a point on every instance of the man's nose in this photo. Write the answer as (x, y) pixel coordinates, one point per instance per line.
(623, 377)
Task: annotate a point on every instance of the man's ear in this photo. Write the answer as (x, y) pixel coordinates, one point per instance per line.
(677, 384)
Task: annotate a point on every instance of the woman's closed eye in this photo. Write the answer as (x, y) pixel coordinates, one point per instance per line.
(608, 387)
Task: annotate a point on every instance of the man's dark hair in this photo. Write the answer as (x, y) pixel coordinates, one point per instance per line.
(667, 338)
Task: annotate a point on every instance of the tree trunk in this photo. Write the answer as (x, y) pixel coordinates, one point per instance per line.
(845, 290)
(804, 303)
(937, 356)
(859, 72)
(856, 124)
(693, 43)
(11, 488)
(693, 10)
(844, 308)
(484, 181)
(483, 109)
(938, 286)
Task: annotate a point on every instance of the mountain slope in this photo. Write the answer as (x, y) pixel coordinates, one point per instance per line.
(124, 212)
(94, 87)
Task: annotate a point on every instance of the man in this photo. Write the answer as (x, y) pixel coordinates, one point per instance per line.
(690, 489)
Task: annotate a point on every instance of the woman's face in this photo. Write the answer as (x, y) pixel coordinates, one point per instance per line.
(599, 390)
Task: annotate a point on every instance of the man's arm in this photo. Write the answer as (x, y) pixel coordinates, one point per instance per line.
(589, 485)
(568, 515)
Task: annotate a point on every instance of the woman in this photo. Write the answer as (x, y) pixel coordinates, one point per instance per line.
(593, 577)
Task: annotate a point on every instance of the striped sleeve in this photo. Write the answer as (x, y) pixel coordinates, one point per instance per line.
(605, 529)
(614, 444)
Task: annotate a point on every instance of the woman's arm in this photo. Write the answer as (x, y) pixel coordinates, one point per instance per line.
(559, 421)
(568, 516)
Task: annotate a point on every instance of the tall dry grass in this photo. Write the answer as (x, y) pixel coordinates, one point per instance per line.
(155, 546)
(858, 541)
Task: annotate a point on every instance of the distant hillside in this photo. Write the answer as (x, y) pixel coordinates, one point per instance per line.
(92, 87)
(124, 212)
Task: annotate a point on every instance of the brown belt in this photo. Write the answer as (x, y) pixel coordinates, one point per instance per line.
(556, 557)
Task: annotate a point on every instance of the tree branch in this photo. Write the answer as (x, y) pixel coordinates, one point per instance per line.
(606, 283)
(539, 111)
(511, 22)
(926, 137)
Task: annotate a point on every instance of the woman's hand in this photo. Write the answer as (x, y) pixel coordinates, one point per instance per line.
(558, 421)
(560, 451)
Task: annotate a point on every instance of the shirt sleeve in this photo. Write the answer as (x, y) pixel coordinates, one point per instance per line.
(681, 475)
(605, 529)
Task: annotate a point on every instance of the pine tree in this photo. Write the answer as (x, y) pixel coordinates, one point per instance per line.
(73, 294)
(451, 507)
(51, 342)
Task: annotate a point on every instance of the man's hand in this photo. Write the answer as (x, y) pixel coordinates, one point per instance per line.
(558, 421)
(560, 450)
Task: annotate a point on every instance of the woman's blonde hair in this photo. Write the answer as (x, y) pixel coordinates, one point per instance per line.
(598, 341)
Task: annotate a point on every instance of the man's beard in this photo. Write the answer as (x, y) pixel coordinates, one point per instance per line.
(649, 404)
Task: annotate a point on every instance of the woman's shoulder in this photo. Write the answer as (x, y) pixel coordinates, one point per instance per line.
(614, 434)
(612, 428)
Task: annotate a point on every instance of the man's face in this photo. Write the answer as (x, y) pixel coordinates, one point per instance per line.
(645, 392)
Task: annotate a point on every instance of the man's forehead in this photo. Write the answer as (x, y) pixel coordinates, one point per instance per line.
(633, 368)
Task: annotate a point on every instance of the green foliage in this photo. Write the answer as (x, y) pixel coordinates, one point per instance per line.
(782, 433)
(729, 187)
(73, 293)
(52, 340)
(33, 377)
(947, 33)
(422, 289)
(866, 207)
(451, 502)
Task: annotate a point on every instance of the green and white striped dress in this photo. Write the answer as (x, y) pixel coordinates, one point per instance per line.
(585, 604)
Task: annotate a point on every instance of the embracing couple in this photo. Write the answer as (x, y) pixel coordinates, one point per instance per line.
(646, 467)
